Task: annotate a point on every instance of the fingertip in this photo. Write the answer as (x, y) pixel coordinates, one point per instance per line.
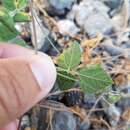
(13, 50)
(44, 71)
(42, 68)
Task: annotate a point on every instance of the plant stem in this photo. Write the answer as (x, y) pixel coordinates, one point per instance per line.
(34, 28)
(52, 44)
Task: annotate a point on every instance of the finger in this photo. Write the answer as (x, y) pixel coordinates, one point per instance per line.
(11, 50)
(14, 51)
(11, 126)
(23, 82)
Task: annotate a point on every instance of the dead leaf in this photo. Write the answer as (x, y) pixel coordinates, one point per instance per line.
(85, 58)
(120, 79)
(126, 114)
(27, 128)
(91, 43)
(88, 45)
(78, 111)
(128, 77)
(96, 60)
(127, 65)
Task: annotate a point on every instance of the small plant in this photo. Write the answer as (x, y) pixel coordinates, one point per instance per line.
(91, 78)
(12, 11)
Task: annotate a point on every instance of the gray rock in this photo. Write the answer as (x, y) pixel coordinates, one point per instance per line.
(124, 103)
(86, 8)
(125, 40)
(42, 116)
(113, 4)
(64, 121)
(92, 16)
(113, 114)
(72, 13)
(97, 5)
(110, 48)
(57, 7)
(85, 126)
(67, 27)
(125, 45)
(25, 121)
(89, 101)
(96, 24)
(82, 13)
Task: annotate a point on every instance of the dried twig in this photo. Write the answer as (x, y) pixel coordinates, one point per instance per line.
(90, 112)
(61, 92)
(19, 125)
(34, 27)
(105, 123)
(60, 108)
(46, 35)
(126, 19)
(100, 121)
(49, 127)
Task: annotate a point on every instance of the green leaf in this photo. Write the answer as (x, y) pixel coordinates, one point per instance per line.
(70, 58)
(66, 80)
(6, 19)
(93, 79)
(7, 28)
(21, 4)
(22, 17)
(18, 41)
(5, 33)
(9, 4)
(113, 98)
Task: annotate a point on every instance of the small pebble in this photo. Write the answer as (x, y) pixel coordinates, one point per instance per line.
(89, 101)
(113, 4)
(67, 27)
(111, 49)
(85, 126)
(113, 114)
(64, 121)
(57, 7)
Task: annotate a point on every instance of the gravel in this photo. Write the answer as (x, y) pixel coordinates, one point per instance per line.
(64, 121)
(57, 7)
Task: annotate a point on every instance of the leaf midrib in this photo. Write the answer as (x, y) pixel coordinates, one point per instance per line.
(72, 50)
(93, 78)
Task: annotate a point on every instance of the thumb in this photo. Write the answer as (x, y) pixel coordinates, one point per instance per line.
(11, 126)
(23, 82)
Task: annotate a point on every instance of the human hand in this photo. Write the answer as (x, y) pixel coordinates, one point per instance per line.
(25, 78)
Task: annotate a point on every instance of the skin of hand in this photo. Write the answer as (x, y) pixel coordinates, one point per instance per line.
(25, 78)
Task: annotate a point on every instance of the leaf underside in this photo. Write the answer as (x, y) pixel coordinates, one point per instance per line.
(12, 5)
(70, 58)
(65, 80)
(113, 98)
(7, 28)
(18, 41)
(93, 79)
(22, 17)
(9, 4)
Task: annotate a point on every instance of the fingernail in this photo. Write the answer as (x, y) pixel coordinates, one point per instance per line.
(44, 71)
